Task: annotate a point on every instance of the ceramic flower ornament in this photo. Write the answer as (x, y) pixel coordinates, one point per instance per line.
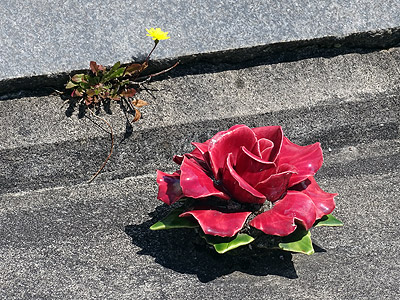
(244, 182)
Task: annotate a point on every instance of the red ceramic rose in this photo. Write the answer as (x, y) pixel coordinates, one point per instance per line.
(244, 169)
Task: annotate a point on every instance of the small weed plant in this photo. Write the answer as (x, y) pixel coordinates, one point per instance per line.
(101, 85)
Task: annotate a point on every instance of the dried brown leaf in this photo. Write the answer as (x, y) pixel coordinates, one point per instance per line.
(133, 68)
(77, 93)
(93, 67)
(144, 66)
(139, 103)
(129, 93)
(78, 78)
(137, 115)
(90, 93)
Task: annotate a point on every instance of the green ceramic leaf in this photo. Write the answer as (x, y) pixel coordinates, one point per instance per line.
(328, 220)
(224, 244)
(298, 241)
(240, 240)
(172, 220)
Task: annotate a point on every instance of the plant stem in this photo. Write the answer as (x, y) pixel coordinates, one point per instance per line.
(148, 77)
(111, 150)
(148, 56)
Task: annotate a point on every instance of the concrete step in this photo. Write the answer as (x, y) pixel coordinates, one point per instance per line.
(344, 100)
(92, 241)
(65, 239)
(45, 42)
(71, 162)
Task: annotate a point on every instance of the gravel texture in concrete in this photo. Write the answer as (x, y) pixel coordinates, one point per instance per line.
(65, 239)
(340, 90)
(51, 36)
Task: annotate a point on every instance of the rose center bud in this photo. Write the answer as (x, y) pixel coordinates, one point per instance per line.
(217, 182)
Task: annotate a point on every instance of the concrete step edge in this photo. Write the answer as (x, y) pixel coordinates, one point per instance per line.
(261, 54)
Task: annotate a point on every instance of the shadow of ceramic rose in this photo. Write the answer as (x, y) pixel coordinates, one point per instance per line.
(184, 252)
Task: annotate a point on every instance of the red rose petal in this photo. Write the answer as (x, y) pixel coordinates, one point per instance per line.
(169, 189)
(266, 148)
(196, 183)
(239, 189)
(217, 223)
(274, 224)
(299, 205)
(195, 153)
(280, 220)
(263, 149)
(272, 133)
(226, 142)
(254, 169)
(274, 186)
(202, 147)
(323, 201)
(306, 159)
(178, 159)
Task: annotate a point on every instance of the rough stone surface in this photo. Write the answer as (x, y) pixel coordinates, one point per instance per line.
(65, 239)
(340, 90)
(51, 36)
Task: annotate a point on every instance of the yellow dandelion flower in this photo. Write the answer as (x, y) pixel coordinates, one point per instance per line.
(157, 34)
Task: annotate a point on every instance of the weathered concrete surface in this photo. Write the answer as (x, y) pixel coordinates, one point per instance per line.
(88, 242)
(340, 90)
(45, 37)
(65, 239)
